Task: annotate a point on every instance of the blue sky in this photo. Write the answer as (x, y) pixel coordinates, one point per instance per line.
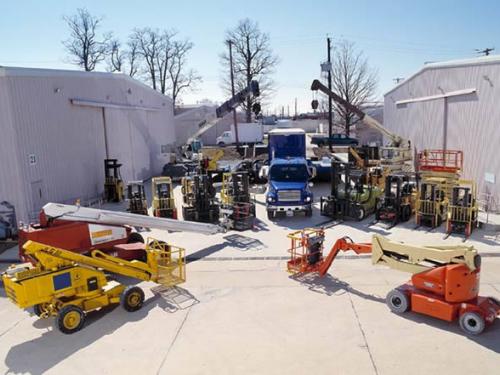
(397, 37)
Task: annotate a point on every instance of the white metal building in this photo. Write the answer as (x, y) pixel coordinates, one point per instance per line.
(57, 127)
(453, 105)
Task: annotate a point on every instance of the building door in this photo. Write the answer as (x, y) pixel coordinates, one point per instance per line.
(38, 195)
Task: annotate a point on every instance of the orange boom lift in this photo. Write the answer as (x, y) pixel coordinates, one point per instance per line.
(444, 284)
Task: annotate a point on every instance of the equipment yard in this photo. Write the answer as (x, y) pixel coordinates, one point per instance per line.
(241, 312)
(196, 197)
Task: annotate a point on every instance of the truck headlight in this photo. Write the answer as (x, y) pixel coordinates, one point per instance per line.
(308, 198)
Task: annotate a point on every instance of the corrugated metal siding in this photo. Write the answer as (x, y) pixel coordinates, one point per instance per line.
(473, 120)
(68, 140)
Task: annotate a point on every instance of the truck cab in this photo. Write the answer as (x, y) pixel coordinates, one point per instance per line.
(288, 174)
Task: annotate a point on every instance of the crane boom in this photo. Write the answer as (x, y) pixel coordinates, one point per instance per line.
(251, 90)
(98, 216)
(396, 140)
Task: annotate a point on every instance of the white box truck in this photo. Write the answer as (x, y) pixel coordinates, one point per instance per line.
(248, 133)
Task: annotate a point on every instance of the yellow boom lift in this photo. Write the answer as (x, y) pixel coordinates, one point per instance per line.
(68, 285)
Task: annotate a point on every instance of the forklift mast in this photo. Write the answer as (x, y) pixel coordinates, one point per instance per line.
(113, 183)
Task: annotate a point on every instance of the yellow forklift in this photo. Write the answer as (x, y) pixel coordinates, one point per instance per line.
(238, 210)
(66, 285)
(163, 197)
(463, 209)
(431, 207)
(136, 196)
(113, 184)
(198, 195)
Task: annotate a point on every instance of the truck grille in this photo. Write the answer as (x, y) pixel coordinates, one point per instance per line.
(289, 195)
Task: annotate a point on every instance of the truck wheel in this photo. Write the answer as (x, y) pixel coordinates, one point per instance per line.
(70, 319)
(221, 144)
(270, 214)
(472, 323)
(132, 298)
(134, 238)
(398, 301)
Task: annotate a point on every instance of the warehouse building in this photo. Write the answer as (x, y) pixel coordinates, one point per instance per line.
(453, 105)
(58, 126)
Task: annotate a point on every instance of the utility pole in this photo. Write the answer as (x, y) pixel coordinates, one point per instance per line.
(235, 120)
(295, 107)
(330, 122)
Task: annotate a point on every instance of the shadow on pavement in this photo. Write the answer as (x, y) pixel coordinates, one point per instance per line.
(329, 285)
(41, 354)
(236, 241)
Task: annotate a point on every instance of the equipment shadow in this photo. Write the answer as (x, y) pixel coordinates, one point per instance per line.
(39, 355)
(330, 285)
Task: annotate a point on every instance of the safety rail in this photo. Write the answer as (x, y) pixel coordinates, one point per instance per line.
(169, 263)
(306, 250)
(426, 207)
(440, 160)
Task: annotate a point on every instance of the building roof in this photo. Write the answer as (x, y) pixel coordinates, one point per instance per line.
(483, 60)
(12, 71)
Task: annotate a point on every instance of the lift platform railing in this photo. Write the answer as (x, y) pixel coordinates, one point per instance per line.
(440, 161)
(169, 264)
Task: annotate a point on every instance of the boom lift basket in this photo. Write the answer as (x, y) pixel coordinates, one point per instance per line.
(306, 250)
(170, 261)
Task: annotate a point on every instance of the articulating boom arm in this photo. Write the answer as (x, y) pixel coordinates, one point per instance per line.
(396, 140)
(343, 244)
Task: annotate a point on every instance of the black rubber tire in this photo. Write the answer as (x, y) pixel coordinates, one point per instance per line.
(309, 212)
(398, 301)
(38, 309)
(406, 213)
(472, 323)
(270, 214)
(360, 213)
(135, 237)
(130, 292)
(60, 319)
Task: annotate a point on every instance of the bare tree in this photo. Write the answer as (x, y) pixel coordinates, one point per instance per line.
(155, 49)
(353, 80)
(86, 48)
(116, 56)
(132, 57)
(253, 59)
(181, 79)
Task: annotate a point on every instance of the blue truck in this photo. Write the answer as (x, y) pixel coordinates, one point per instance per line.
(288, 174)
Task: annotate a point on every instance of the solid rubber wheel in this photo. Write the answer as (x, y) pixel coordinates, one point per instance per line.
(472, 323)
(40, 309)
(70, 319)
(398, 301)
(132, 298)
(360, 213)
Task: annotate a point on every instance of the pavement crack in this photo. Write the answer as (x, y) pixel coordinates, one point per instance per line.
(174, 340)
(11, 327)
(363, 334)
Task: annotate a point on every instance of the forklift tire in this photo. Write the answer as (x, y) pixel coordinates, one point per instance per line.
(472, 323)
(398, 301)
(70, 319)
(135, 237)
(132, 298)
(360, 213)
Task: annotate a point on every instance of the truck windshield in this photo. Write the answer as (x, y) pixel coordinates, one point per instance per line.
(281, 173)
